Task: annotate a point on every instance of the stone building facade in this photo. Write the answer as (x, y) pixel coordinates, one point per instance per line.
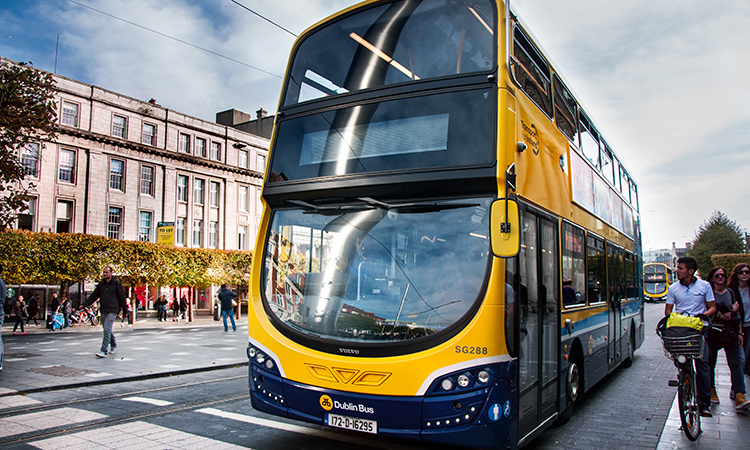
(120, 166)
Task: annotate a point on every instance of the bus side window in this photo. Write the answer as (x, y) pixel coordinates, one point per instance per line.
(573, 266)
(566, 115)
(531, 71)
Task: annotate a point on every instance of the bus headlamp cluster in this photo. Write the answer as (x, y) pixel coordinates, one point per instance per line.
(466, 380)
(260, 358)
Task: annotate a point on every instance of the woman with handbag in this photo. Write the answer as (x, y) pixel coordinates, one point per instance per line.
(725, 334)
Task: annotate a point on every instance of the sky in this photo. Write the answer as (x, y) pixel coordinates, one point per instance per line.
(665, 82)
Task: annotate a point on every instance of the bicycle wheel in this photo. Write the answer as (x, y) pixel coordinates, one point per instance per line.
(687, 397)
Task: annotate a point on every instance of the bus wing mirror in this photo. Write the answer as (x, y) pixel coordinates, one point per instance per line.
(505, 229)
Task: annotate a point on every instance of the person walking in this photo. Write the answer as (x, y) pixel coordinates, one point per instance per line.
(18, 309)
(66, 307)
(175, 310)
(3, 293)
(183, 308)
(32, 309)
(161, 308)
(692, 296)
(726, 320)
(739, 283)
(111, 298)
(226, 297)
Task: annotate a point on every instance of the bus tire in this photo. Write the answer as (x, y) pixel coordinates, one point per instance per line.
(573, 386)
(627, 362)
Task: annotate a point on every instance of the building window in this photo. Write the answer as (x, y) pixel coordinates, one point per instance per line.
(116, 174)
(243, 159)
(242, 237)
(67, 166)
(147, 180)
(216, 151)
(114, 222)
(242, 198)
(260, 163)
(30, 159)
(213, 234)
(214, 194)
(182, 188)
(200, 147)
(198, 187)
(119, 124)
(64, 216)
(197, 233)
(144, 226)
(26, 215)
(184, 144)
(69, 114)
(179, 231)
(258, 203)
(148, 135)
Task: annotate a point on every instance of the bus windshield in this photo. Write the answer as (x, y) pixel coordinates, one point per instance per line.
(655, 288)
(376, 272)
(393, 43)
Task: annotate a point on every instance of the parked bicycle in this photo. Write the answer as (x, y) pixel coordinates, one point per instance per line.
(85, 315)
(683, 347)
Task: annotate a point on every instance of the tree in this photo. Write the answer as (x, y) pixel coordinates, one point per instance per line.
(27, 115)
(718, 235)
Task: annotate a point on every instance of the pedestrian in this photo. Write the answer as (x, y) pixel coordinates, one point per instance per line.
(66, 306)
(54, 305)
(3, 292)
(111, 298)
(226, 297)
(692, 296)
(161, 308)
(183, 308)
(18, 310)
(175, 310)
(739, 283)
(32, 309)
(726, 335)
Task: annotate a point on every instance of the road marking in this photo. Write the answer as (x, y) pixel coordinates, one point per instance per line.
(14, 401)
(13, 359)
(170, 366)
(98, 375)
(60, 417)
(181, 354)
(150, 401)
(135, 435)
(301, 430)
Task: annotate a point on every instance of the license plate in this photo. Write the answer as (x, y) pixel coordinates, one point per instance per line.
(352, 423)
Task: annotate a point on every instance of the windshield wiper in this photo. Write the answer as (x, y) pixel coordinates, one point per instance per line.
(329, 210)
(416, 206)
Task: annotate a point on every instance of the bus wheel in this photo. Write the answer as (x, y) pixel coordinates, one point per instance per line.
(627, 362)
(573, 385)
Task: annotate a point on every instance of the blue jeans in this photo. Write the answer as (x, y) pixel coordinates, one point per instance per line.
(703, 377)
(734, 361)
(224, 315)
(108, 340)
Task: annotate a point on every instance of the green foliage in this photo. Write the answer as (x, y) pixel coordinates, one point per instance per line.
(357, 322)
(728, 261)
(718, 235)
(50, 258)
(27, 114)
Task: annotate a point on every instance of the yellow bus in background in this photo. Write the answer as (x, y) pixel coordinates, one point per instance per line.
(656, 279)
(449, 250)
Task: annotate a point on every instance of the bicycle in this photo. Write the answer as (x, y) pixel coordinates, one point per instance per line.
(683, 350)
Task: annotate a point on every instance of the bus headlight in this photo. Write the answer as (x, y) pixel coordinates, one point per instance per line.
(446, 384)
(464, 380)
(260, 358)
(251, 352)
(483, 376)
(269, 364)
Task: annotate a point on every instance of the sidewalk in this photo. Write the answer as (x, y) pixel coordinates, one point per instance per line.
(728, 429)
(45, 360)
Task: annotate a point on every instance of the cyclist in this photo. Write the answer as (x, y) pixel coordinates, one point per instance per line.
(692, 296)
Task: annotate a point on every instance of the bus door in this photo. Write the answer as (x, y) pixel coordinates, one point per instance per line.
(615, 293)
(536, 286)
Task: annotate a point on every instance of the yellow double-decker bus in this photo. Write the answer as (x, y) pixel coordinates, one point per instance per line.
(656, 279)
(449, 250)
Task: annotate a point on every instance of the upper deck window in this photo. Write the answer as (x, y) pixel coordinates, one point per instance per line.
(393, 43)
(531, 71)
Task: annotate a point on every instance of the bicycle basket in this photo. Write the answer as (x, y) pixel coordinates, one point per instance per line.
(682, 341)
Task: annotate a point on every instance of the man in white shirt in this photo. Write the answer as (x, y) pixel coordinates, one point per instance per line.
(691, 296)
